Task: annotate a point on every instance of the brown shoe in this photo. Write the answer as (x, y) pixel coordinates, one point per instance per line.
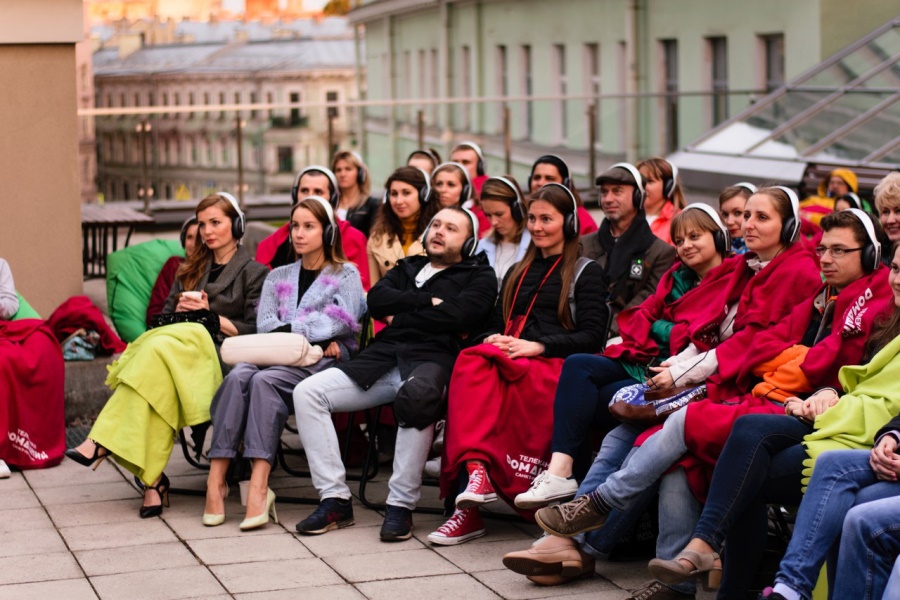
(586, 573)
(550, 555)
(702, 567)
(657, 591)
(570, 518)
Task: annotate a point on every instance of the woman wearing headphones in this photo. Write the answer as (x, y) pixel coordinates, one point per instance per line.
(725, 346)
(451, 184)
(165, 380)
(552, 169)
(731, 206)
(320, 297)
(405, 212)
(508, 239)
(355, 204)
(166, 277)
(501, 391)
(664, 198)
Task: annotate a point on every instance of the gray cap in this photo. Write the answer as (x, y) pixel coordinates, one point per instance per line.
(618, 174)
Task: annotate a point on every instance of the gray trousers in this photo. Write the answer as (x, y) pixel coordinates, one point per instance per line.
(253, 405)
(333, 391)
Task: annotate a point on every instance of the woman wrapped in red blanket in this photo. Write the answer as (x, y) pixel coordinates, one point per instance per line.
(499, 407)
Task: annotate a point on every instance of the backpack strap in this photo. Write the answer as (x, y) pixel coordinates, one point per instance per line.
(580, 266)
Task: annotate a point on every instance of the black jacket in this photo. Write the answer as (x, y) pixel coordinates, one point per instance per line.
(893, 425)
(363, 217)
(591, 313)
(421, 332)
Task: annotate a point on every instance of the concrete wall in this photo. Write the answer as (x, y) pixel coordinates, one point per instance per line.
(841, 22)
(40, 228)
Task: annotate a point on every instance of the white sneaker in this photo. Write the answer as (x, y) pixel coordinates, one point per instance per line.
(546, 488)
(4, 470)
(433, 468)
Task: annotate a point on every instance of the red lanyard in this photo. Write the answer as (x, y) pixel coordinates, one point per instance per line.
(518, 323)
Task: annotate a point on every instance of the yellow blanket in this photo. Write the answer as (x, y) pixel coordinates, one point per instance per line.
(165, 380)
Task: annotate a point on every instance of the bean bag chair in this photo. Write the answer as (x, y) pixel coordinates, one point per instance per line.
(130, 275)
(25, 310)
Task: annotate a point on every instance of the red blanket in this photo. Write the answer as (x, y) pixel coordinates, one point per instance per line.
(721, 286)
(32, 395)
(78, 312)
(500, 411)
(352, 239)
(857, 310)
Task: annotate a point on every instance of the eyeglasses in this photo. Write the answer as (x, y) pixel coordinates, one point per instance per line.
(836, 252)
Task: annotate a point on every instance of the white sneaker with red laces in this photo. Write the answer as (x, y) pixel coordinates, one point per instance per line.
(464, 525)
(479, 491)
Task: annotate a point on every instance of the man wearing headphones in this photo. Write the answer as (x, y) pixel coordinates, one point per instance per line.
(430, 304)
(276, 250)
(633, 258)
(469, 155)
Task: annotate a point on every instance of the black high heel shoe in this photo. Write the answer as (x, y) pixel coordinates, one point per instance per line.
(162, 490)
(88, 461)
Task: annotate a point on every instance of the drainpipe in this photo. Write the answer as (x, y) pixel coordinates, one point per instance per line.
(392, 91)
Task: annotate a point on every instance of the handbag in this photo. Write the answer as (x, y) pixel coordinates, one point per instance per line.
(270, 350)
(204, 317)
(640, 404)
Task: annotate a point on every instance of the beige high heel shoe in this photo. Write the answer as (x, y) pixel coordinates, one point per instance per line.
(260, 520)
(211, 520)
(672, 572)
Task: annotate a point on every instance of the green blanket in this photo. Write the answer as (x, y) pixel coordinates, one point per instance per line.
(165, 380)
(871, 399)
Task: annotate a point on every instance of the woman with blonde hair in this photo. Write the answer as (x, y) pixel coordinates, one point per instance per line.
(887, 203)
(355, 205)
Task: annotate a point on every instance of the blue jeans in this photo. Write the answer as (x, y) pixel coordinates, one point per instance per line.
(870, 543)
(586, 386)
(678, 510)
(840, 481)
(761, 463)
(892, 592)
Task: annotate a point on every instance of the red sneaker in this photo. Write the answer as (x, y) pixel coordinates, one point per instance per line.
(479, 491)
(464, 525)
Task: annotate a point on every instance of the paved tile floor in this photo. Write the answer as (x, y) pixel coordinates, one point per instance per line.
(68, 532)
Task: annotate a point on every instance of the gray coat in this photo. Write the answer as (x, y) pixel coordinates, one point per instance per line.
(234, 295)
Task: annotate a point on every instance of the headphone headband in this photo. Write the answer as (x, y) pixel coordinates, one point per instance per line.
(870, 231)
(747, 186)
(472, 146)
(573, 232)
(427, 152)
(715, 217)
(329, 211)
(638, 178)
(465, 173)
(475, 232)
(674, 168)
(511, 186)
(237, 225)
(332, 180)
(852, 198)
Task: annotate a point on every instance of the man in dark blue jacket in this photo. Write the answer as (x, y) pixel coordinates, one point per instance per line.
(432, 305)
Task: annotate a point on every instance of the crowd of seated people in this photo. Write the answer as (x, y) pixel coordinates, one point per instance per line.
(757, 344)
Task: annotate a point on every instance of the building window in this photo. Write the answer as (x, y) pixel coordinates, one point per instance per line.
(137, 99)
(465, 79)
(190, 103)
(209, 152)
(528, 90)
(253, 100)
(270, 99)
(435, 86)
(773, 60)
(176, 101)
(226, 157)
(295, 110)
(559, 70)
(205, 104)
(718, 53)
(332, 110)
(407, 82)
(165, 102)
(592, 81)
(221, 103)
(285, 159)
(670, 87)
(237, 100)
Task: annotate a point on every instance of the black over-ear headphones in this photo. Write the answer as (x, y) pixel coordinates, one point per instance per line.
(516, 207)
(479, 166)
(721, 238)
(871, 252)
(790, 228)
(424, 193)
(237, 225)
(852, 198)
(670, 184)
(571, 228)
(560, 164)
(361, 170)
(192, 220)
(637, 197)
(335, 196)
(471, 244)
(466, 193)
(328, 234)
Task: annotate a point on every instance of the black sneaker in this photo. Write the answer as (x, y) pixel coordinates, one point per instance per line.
(397, 524)
(332, 513)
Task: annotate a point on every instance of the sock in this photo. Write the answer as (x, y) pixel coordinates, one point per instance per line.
(600, 505)
(786, 591)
